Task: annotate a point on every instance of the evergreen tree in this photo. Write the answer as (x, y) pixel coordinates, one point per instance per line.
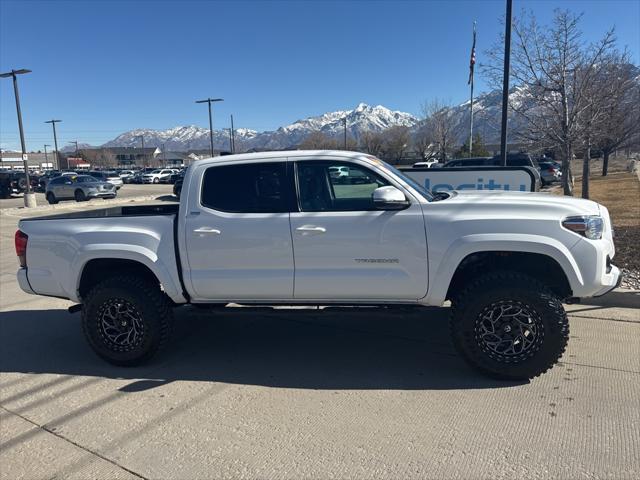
(477, 150)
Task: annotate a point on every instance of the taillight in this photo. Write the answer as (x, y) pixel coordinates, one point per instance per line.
(21, 247)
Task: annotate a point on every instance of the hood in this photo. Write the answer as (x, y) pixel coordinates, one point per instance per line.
(528, 202)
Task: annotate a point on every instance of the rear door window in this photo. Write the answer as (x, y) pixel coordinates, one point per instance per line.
(246, 188)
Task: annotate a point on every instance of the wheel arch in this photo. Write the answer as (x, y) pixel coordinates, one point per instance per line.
(536, 265)
(473, 255)
(94, 270)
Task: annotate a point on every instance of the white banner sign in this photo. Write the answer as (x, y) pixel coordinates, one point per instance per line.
(477, 178)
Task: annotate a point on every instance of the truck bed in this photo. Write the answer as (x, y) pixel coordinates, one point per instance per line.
(59, 250)
(122, 211)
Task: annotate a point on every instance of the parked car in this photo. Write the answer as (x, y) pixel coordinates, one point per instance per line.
(471, 162)
(426, 164)
(252, 230)
(339, 172)
(177, 186)
(79, 188)
(549, 173)
(126, 175)
(157, 176)
(15, 182)
(111, 177)
(168, 178)
(178, 173)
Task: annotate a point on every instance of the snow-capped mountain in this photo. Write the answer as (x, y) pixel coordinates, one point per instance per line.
(179, 138)
(72, 147)
(362, 118)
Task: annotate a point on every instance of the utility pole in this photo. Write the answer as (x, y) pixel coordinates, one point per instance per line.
(164, 156)
(46, 157)
(29, 196)
(505, 84)
(55, 142)
(144, 155)
(233, 137)
(209, 101)
(345, 132)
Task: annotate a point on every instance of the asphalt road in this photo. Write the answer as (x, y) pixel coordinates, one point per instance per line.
(306, 393)
(127, 191)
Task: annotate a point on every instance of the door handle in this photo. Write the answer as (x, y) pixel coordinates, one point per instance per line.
(310, 229)
(207, 230)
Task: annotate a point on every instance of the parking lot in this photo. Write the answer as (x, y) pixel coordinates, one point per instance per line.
(306, 392)
(127, 191)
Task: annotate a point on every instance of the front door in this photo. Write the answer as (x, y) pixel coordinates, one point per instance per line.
(346, 249)
(238, 240)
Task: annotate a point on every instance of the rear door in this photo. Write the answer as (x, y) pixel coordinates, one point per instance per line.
(346, 249)
(237, 236)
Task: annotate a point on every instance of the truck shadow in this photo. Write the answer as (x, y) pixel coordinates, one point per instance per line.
(334, 348)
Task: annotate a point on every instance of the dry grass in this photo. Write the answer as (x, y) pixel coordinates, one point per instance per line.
(620, 193)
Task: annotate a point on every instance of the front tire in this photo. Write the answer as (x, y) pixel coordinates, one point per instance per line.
(126, 320)
(80, 196)
(156, 180)
(509, 326)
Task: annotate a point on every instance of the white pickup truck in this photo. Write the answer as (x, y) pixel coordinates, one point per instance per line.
(278, 228)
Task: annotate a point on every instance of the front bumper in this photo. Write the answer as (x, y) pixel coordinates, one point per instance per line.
(615, 276)
(102, 194)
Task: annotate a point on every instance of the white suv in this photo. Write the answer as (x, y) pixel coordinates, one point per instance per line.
(157, 176)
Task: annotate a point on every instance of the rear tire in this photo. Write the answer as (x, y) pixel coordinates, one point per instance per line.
(509, 326)
(126, 320)
(51, 198)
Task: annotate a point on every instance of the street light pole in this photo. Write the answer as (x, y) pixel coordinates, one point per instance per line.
(144, 156)
(209, 101)
(505, 84)
(233, 137)
(345, 132)
(55, 141)
(29, 197)
(46, 157)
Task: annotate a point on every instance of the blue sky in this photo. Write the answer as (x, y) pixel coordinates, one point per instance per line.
(107, 67)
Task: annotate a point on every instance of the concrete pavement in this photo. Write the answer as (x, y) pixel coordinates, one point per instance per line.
(292, 393)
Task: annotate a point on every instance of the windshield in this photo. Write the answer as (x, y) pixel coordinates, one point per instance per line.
(86, 179)
(428, 196)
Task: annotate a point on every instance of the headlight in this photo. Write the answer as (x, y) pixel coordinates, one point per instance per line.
(589, 226)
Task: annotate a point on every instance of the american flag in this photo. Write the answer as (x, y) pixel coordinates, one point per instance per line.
(472, 60)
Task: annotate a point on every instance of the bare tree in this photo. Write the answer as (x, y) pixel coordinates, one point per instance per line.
(372, 143)
(396, 142)
(439, 124)
(620, 125)
(424, 143)
(555, 70)
(318, 141)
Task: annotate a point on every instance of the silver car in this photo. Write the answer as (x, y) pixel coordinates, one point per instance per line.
(79, 187)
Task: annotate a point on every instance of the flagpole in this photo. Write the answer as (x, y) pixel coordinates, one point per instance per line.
(471, 120)
(471, 82)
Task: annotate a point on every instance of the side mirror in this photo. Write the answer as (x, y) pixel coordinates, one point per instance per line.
(389, 198)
